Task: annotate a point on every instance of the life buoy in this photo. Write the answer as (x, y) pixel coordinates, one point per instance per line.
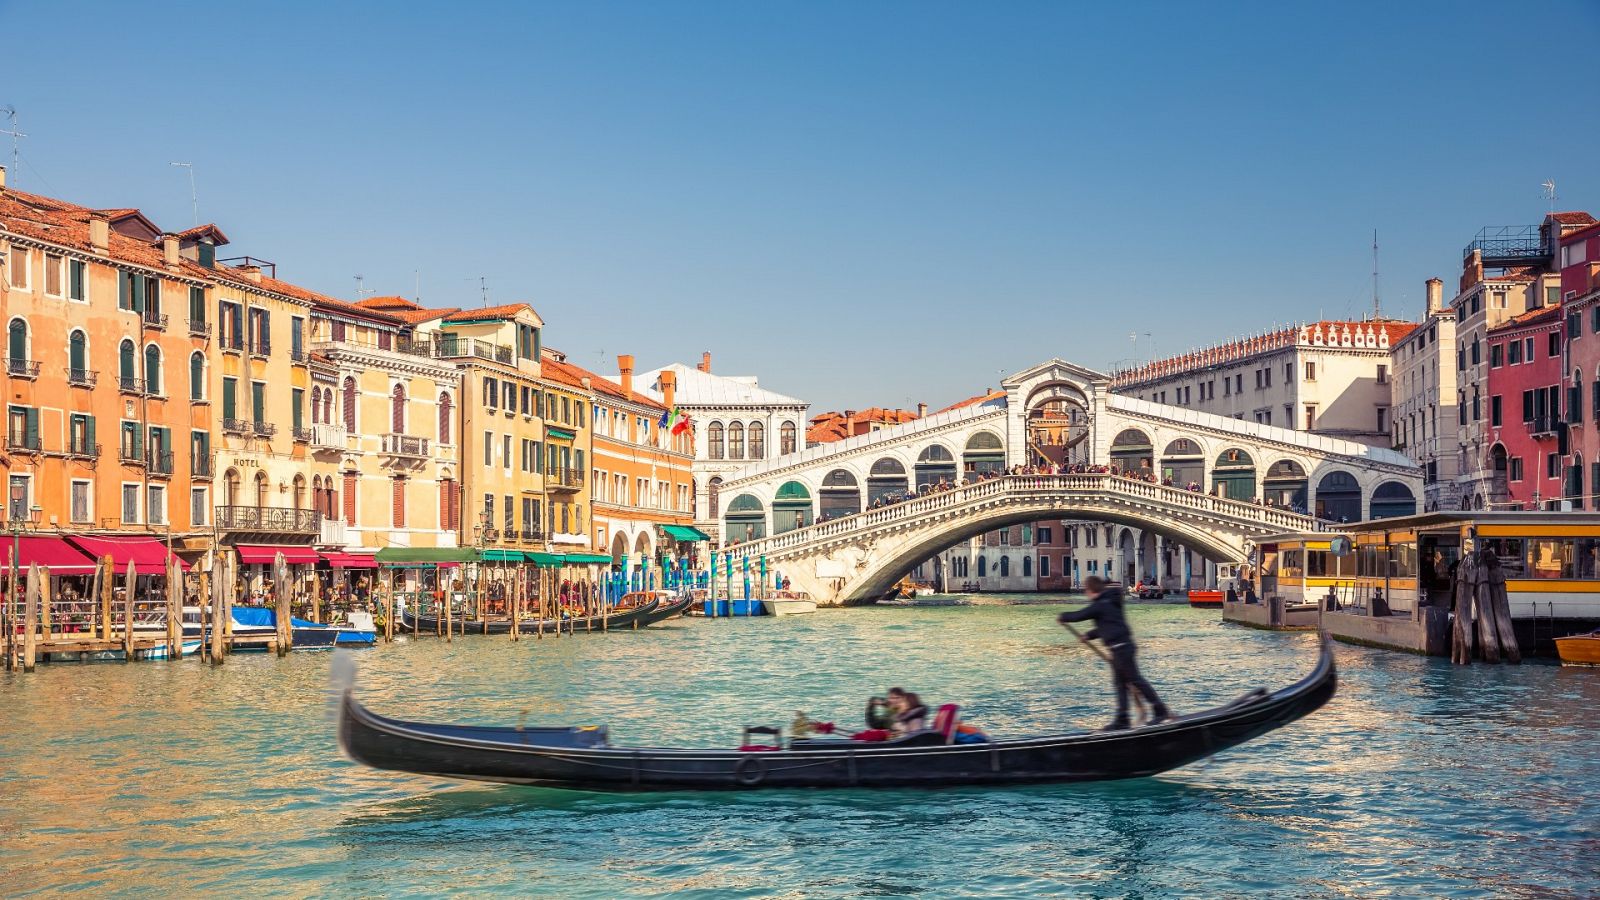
(750, 771)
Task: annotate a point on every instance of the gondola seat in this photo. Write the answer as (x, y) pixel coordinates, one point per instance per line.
(945, 722)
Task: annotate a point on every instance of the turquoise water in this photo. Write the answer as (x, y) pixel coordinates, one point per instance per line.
(1418, 779)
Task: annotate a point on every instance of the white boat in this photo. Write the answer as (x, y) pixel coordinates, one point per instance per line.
(789, 603)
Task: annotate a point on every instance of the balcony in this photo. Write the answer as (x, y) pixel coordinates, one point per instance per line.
(453, 347)
(1544, 426)
(414, 347)
(301, 435)
(272, 519)
(82, 377)
(158, 462)
(332, 533)
(564, 480)
(261, 350)
(23, 443)
(1508, 245)
(199, 329)
(153, 320)
(237, 426)
(80, 449)
(405, 445)
(22, 368)
(297, 356)
(130, 456)
(264, 429)
(533, 535)
(201, 466)
(328, 437)
(511, 535)
(128, 384)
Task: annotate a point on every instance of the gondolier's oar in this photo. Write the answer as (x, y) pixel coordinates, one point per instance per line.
(1138, 699)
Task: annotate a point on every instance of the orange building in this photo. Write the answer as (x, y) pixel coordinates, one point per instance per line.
(104, 373)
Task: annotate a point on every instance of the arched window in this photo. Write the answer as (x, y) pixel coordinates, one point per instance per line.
(714, 440)
(197, 378)
(758, 441)
(327, 406)
(17, 346)
(78, 356)
(349, 404)
(446, 412)
(397, 409)
(786, 434)
(1027, 566)
(1393, 498)
(1339, 497)
(299, 492)
(713, 501)
(983, 566)
(127, 365)
(152, 369)
(735, 440)
(1005, 567)
(230, 488)
(261, 490)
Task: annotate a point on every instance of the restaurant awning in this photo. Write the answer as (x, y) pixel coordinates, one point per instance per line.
(51, 552)
(425, 556)
(547, 560)
(581, 559)
(341, 560)
(264, 554)
(685, 533)
(560, 433)
(147, 554)
(504, 556)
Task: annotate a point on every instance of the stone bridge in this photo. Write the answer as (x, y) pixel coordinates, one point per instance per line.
(811, 513)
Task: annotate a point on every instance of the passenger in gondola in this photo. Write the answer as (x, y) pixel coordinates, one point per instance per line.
(1111, 627)
(908, 712)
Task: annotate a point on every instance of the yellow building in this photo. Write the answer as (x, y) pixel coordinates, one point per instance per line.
(568, 438)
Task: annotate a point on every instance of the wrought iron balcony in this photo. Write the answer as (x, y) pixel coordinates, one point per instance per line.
(23, 443)
(262, 349)
(489, 535)
(264, 429)
(237, 426)
(564, 479)
(201, 466)
(298, 356)
(511, 534)
(405, 445)
(22, 368)
(81, 377)
(199, 329)
(130, 456)
(159, 462)
(153, 320)
(130, 385)
(268, 518)
(533, 535)
(80, 449)
(302, 435)
(1544, 426)
(414, 346)
(453, 347)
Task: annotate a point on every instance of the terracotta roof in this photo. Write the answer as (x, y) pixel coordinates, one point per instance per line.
(1532, 317)
(1581, 234)
(505, 311)
(405, 310)
(207, 230)
(388, 303)
(67, 225)
(567, 373)
(1369, 334)
(1573, 218)
(974, 401)
(836, 426)
(351, 309)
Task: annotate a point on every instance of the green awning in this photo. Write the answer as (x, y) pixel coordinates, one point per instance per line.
(581, 559)
(504, 556)
(561, 433)
(394, 556)
(685, 533)
(548, 560)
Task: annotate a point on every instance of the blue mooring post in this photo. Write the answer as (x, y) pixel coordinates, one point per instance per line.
(749, 606)
(711, 587)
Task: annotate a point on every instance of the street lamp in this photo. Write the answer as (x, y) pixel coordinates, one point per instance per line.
(16, 523)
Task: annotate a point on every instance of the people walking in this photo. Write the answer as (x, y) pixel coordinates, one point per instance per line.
(1111, 628)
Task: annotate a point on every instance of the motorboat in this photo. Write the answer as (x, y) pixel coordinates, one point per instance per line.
(790, 603)
(584, 756)
(1579, 649)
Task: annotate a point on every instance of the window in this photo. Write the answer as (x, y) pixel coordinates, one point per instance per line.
(156, 504)
(714, 440)
(1497, 355)
(1554, 348)
(397, 500)
(445, 414)
(297, 338)
(1383, 374)
(258, 402)
(1383, 419)
(260, 332)
(349, 404)
(297, 404)
(197, 376)
(17, 347)
(197, 506)
(491, 393)
(488, 448)
(735, 440)
(80, 435)
(1514, 466)
(505, 452)
(1513, 353)
(152, 370)
(197, 307)
(52, 274)
(527, 400)
(1311, 417)
(230, 398)
(758, 441)
(130, 504)
(82, 497)
(1044, 567)
(1552, 465)
(230, 325)
(1494, 411)
(397, 409)
(22, 428)
(1311, 371)
(566, 409)
(1527, 349)
(17, 269)
(1476, 358)
(538, 458)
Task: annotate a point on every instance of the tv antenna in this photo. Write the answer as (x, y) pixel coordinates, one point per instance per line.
(361, 289)
(483, 287)
(1549, 192)
(1376, 309)
(16, 150)
(194, 198)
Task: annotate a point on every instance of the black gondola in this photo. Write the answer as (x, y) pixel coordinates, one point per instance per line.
(664, 611)
(584, 758)
(627, 618)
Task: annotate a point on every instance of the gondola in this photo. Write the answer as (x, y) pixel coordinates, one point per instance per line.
(584, 758)
(627, 618)
(667, 609)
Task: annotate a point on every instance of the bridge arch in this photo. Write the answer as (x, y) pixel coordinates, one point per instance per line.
(1393, 498)
(1286, 484)
(886, 478)
(1338, 496)
(840, 495)
(1132, 450)
(1184, 462)
(746, 521)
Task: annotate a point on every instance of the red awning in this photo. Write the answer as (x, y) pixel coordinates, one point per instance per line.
(54, 553)
(341, 560)
(147, 554)
(263, 554)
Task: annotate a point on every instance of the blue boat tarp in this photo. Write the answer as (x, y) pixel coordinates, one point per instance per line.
(261, 615)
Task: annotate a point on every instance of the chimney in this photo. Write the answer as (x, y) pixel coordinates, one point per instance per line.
(1471, 269)
(705, 362)
(587, 382)
(99, 233)
(251, 274)
(1435, 295)
(849, 414)
(669, 387)
(625, 366)
(2, 178)
(169, 250)
(922, 410)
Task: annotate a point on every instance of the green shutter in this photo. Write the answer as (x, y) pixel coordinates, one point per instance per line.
(88, 434)
(124, 292)
(75, 275)
(230, 404)
(258, 402)
(299, 397)
(153, 294)
(136, 284)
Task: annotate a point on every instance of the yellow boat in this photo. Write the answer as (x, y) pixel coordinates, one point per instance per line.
(1579, 649)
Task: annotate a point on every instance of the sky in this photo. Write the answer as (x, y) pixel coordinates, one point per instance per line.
(863, 204)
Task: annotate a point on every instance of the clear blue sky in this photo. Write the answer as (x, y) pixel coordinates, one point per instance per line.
(865, 204)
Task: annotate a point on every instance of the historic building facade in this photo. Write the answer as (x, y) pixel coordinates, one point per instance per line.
(1523, 407)
(1579, 264)
(1425, 393)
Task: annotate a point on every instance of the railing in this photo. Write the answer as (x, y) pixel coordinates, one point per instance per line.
(130, 385)
(199, 329)
(533, 535)
(236, 426)
(22, 368)
(130, 456)
(82, 450)
(23, 443)
(268, 518)
(405, 445)
(332, 532)
(264, 429)
(298, 356)
(511, 534)
(1544, 425)
(263, 349)
(201, 466)
(153, 320)
(82, 377)
(1086, 486)
(564, 478)
(328, 436)
(301, 435)
(414, 347)
(452, 347)
(159, 462)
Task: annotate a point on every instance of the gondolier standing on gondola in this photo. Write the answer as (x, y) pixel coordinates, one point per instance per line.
(1111, 627)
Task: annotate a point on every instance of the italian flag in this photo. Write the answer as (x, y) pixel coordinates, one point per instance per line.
(678, 421)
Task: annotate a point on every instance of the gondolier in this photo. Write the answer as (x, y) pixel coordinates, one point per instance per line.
(1111, 627)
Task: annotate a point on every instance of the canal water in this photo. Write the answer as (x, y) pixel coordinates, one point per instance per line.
(1419, 779)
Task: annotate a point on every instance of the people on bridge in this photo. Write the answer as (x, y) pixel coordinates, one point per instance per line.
(1111, 628)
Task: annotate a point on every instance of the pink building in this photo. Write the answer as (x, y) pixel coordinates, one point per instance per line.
(1579, 262)
(1526, 431)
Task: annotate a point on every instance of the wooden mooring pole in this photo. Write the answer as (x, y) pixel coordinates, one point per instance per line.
(128, 582)
(174, 609)
(30, 620)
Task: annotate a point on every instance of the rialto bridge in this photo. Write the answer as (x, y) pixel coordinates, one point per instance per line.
(845, 520)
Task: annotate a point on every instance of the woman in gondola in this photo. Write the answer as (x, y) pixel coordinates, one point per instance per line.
(909, 713)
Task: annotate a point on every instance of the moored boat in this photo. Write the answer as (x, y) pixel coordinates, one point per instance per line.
(790, 603)
(1579, 649)
(1205, 599)
(628, 618)
(583, 757)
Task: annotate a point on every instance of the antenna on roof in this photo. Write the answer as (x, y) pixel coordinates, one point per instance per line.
(194, 198)
(361, 290)
(1549, 192)
(16, 151)
(483, 286)
(1376, 309)
(417, 274)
